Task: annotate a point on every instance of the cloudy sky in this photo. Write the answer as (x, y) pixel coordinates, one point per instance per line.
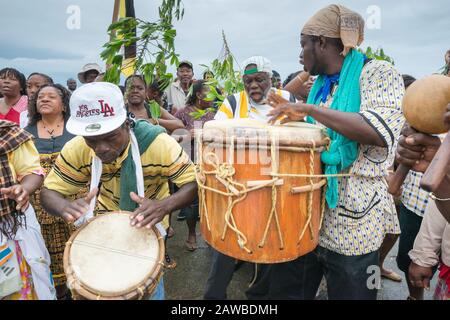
(35, 36)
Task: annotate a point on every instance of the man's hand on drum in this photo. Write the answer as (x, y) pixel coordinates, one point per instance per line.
(286, 111)
(75, 209)
(149, 213)
(416, 149)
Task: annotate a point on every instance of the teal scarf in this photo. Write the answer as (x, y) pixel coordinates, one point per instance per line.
(342, 152)
(145, 134)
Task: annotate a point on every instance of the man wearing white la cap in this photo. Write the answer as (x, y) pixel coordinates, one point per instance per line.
(106, 154)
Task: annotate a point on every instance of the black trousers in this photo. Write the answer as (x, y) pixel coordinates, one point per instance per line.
(221, 273)
(347, 277)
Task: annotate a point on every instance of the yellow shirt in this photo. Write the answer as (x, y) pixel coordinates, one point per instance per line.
(164, 159)
(24, 161)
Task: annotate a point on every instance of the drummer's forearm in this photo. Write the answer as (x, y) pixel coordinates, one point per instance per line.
(183, 197)
(32, 182)
(171, 124)
(350, 124)
(444, 193)
(53, 202)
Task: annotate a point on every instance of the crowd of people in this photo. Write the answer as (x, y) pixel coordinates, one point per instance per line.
(51, 135)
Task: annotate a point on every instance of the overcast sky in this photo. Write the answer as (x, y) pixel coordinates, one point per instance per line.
(35, 37)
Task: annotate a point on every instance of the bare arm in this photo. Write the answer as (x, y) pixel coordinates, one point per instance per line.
(444, 193)
(417, 150)
(151, 212)
(55, 204)
(21, 192)
(169, 122)
(350, 124)
(32, 182)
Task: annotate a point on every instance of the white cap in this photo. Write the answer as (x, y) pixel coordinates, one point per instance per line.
(86, 68)
(96, 108)
(262, 64)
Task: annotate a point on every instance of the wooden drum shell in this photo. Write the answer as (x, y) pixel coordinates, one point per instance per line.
(252, 214)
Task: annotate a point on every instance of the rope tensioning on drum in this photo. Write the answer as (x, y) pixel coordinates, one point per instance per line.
(241, 191)
(224, 173)
(273, 210)
(310, 197)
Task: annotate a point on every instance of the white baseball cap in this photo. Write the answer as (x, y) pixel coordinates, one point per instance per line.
(86, 68)
(262, 64)
(96, 108)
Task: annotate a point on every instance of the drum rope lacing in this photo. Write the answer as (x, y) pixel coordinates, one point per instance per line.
(224, 172)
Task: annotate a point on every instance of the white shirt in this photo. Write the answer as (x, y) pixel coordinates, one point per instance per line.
(176, 96)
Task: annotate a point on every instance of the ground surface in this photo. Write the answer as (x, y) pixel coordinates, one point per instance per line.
(188, 279)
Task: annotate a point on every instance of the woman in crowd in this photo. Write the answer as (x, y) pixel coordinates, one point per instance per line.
(34, 82)
(24, 259)
(136, 95)
(48, 113)
(198, 110)
(14, 100)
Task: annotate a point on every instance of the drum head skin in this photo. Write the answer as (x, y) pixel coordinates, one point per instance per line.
(292, 133)
(111, 257)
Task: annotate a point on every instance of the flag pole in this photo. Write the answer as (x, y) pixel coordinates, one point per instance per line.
(115, 15)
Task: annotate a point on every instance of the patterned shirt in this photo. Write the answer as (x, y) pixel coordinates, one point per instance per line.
(163, 160)
(414, 198)
(189, 121)
(365, 211)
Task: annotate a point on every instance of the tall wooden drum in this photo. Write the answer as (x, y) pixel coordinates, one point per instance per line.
(108, 259)
(261, 188)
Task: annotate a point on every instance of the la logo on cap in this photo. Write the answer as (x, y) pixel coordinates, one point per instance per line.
(96, 108)
(105, 109)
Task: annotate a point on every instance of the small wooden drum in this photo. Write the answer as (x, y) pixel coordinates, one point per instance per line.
(108, 259)
(260, 188)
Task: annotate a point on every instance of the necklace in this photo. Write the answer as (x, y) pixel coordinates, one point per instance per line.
(50, 131)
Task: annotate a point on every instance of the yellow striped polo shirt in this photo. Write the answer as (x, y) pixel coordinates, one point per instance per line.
(164, 160)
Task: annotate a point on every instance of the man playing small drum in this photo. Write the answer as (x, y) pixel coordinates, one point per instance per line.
(106, 147)
(359, 102)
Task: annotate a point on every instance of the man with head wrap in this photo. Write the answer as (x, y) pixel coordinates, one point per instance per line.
(358, 101)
